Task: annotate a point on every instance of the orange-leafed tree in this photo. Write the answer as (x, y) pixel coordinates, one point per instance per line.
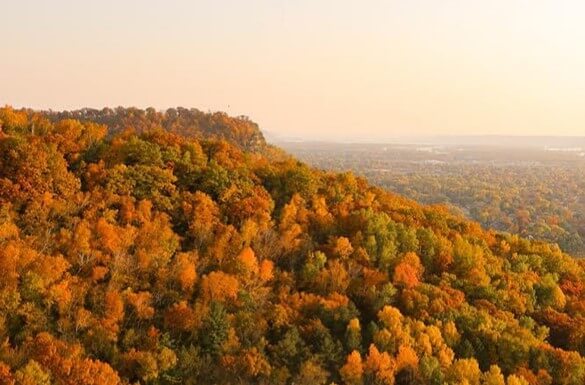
(353, 370)
(219, 286)
(408, 272)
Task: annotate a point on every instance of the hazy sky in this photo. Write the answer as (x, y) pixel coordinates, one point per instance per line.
(308, 68)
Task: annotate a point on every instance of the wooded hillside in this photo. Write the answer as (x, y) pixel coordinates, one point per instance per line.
(139, 247)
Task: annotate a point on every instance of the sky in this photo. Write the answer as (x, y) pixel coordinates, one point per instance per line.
(312, 69)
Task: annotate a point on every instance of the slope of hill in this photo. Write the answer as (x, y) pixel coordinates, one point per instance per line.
(534, 192)
(155, 257)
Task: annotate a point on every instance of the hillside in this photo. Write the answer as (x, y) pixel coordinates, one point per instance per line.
(139, 247)
(541, 202)
(532, 191)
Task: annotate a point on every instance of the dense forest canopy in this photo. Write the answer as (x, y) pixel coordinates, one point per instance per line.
(139, 247)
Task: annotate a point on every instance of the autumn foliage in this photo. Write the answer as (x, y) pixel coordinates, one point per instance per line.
(142, 247)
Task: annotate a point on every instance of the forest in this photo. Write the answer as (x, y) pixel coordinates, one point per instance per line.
(178, 247)
(535, 193)
(542, 202)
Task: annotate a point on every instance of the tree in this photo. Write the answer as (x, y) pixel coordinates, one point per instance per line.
(312, 373)
(353, 370)
(202, 215)
(32, 374)
(215, 329)
(114, 313)
(290, 350)
(266, 272)
(141, 303)
(186, 270)
(379, 367)
(408, 272)
(464, 371)
(406, 358)
(6, 377)
(493, 377)
(180, 317)
(218, 286)
(248, 263)
(341, 247)
(353, 335)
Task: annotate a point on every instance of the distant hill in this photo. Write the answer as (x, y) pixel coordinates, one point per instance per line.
(501, 141)
(187, 122)
(517, 141)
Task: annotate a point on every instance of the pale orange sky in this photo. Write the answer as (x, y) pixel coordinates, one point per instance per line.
(312, 69)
